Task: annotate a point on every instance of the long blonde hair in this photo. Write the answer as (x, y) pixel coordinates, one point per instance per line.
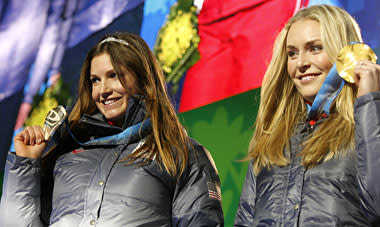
(282, 107)
(168, 142)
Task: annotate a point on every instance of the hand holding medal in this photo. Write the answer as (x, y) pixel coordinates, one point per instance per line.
(32, 141)
(356, 63)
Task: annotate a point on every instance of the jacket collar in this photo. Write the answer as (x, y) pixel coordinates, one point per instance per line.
(100, 132)
(134, 114)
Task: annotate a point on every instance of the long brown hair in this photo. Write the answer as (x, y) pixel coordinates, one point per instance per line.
(168, 142)
(282, 107)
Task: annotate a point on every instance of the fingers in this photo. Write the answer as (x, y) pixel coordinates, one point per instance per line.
(31, 135)
(365, 68)
(30, 142)
(367, 77)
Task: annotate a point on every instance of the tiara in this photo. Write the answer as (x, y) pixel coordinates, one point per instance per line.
(113, 39)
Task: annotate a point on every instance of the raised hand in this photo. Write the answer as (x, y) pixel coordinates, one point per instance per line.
(30, 142)
(367, 77)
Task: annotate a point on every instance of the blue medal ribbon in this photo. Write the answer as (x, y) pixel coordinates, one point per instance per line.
(329, 90)
(130, 134)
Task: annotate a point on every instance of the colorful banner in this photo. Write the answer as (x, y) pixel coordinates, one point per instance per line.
(235, 47)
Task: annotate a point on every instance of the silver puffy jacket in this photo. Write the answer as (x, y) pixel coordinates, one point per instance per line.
(92, 187)
(344, 191)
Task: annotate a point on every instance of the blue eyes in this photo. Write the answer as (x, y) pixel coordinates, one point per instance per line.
(291, 53)
(314, 49)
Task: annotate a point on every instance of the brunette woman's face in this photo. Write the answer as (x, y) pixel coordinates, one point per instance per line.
(110, 96)
(308, 63)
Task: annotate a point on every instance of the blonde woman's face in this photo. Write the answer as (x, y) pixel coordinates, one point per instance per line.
(308, 63)
(110, 96)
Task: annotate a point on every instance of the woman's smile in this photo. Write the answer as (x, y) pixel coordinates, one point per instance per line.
(109, 94)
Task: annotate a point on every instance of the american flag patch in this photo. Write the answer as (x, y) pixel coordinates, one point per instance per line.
(213, 192)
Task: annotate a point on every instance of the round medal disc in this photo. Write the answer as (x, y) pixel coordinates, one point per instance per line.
(349, 56)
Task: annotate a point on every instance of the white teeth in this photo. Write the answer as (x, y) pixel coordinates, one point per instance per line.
(307, 77)
(108, 102)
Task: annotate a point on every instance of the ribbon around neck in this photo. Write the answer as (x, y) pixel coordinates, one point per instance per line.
(329, 90)
(130, 134)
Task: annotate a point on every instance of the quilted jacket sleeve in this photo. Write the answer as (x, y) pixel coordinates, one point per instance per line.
(197, 198)
(20, 202)
(245, 211)
(367, 131)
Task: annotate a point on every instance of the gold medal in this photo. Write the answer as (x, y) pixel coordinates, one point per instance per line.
(349, 56)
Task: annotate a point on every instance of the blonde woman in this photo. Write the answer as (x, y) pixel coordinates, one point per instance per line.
(124, 160)
(314, 168)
